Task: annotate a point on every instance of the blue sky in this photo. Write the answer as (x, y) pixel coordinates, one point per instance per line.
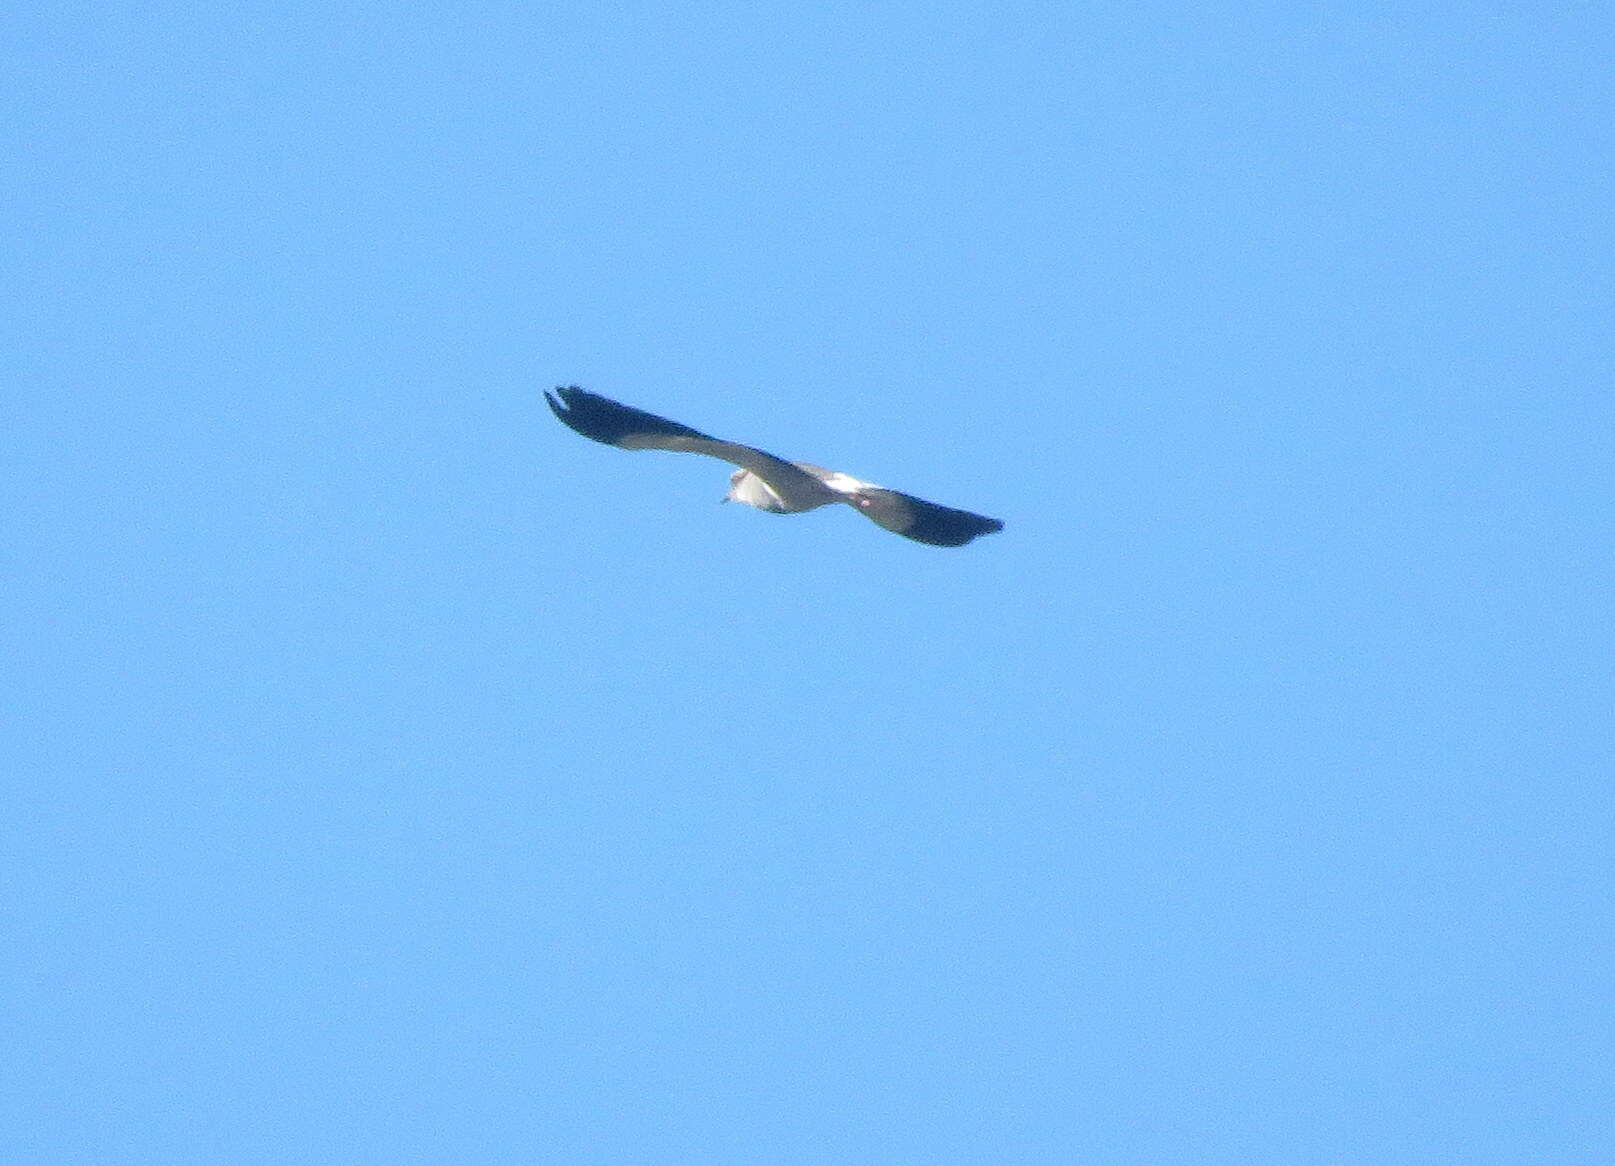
(393, 776)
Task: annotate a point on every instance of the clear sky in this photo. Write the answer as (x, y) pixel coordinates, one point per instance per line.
(393, 776)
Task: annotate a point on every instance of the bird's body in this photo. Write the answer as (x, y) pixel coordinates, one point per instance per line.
(765, 481)
(786, 494)
(794, 495)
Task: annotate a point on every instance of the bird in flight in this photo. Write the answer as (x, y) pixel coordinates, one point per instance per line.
(765, 481)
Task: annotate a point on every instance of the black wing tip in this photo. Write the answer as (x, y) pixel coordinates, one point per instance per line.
(568, 397)
(559, 401)
(957, 538)
(586, 413)
(923, 522)
(604, 420)
(943, 526)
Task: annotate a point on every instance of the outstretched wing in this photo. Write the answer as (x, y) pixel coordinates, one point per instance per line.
(604, 420)
(922, 521)
(613, 423)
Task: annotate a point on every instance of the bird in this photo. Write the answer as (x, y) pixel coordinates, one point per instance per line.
(764, 481)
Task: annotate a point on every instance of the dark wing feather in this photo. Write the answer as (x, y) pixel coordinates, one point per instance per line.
(621, 425)
(922, 521)
(613, 423)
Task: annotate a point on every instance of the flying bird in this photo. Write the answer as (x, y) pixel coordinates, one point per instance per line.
(765, 481)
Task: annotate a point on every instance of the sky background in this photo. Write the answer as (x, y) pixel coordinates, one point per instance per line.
(393, 776)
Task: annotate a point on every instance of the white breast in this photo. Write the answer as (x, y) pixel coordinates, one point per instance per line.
(797, 495)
